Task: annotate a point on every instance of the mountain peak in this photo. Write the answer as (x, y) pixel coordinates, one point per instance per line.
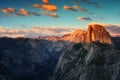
(74, 37)
(94, 33)
(97, 33)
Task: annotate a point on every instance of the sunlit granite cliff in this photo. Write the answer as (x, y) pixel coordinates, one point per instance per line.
(94, 33)
(93, 58)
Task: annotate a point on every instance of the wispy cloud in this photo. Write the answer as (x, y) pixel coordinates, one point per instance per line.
(7, 32)
(8, 10)
(85, 1)
(21, 12)
(114, 29)
(69, 8)
(74, 8)
(34, 32)
(34, 13)
(46, 6)
(50, 14)
(94, 3)
(84, 18)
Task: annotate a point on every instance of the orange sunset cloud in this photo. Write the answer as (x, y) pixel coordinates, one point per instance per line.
(24, 12)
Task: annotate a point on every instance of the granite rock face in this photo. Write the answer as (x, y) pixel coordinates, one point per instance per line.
(92, 59)
(96, 33)
(98, 62)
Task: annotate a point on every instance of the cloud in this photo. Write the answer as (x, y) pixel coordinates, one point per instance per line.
(34, 13)
(69, 8)
(84, 18)
(34, 32)
(53, 30)
(24, 12)
(74, 8)
(114, 29)
(50, 14)
(45, 1)
(6, 32)
(85, 1)
(20, 12)
(8, 10)
(83, 9)
(80, 8)
(94, 3)
(48, 7)
(17, 14)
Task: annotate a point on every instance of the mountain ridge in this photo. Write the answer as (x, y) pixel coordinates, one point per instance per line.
(94, 59)
(91, 35)
(28, 59)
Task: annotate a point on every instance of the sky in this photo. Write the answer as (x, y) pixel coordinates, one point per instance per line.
(28, 14)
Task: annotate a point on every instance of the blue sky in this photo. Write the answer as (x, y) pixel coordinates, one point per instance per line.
(100, 11)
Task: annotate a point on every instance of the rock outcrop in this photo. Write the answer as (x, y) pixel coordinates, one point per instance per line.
(92, 59)
(74, 37)
(96, 33)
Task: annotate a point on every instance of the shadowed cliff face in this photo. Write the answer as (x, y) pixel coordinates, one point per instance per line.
(28, 59)
(92, 59)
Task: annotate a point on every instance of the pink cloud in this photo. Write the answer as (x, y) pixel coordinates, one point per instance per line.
(34, 32)
(46, 6)
(74, 8)
(8, 10)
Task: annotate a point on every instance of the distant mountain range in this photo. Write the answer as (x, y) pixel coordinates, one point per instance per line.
(81, 55)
